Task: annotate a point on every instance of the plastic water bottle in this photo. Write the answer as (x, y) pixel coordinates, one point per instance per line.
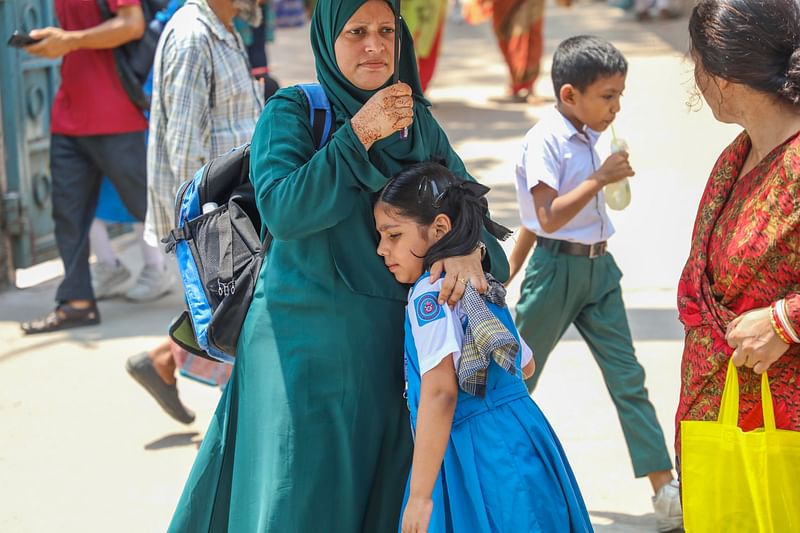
(618, 194)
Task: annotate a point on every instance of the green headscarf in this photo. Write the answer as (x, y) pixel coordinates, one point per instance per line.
(327, 23)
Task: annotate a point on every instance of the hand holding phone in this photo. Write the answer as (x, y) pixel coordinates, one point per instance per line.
(19, 39)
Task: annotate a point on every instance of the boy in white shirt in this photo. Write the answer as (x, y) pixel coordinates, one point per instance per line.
(571, 278)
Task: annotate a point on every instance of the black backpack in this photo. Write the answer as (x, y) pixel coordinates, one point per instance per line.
(134, 60)
(217, 243)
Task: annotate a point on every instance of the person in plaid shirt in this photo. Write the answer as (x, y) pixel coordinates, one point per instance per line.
(205, 102)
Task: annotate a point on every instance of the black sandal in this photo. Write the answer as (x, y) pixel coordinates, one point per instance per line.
(64, 316)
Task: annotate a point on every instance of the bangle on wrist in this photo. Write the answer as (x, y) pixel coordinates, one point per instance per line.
(777, 326)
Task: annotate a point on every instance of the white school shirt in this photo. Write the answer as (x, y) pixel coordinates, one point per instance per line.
(555, 153)
(438, 331)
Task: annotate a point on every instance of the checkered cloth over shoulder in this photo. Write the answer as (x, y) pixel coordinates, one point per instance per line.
(485, 338)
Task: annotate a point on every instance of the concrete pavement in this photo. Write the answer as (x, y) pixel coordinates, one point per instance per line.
(83, 448)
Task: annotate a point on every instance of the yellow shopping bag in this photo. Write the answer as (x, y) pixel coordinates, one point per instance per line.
(736, 481)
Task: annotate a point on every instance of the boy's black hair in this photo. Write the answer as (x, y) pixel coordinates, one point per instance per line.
(424, 190)
(582, 60)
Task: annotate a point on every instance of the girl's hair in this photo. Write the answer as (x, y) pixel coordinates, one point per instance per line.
(751, 42)
(425, 190)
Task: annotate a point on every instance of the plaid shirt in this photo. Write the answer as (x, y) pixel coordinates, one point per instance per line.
(204, 103)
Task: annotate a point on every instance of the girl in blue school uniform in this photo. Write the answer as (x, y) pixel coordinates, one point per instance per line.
(485, 457)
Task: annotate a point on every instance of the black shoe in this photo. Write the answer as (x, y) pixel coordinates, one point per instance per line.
(64, 316)
(141, 368)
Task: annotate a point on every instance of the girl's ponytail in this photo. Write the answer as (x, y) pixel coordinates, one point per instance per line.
(466, 205)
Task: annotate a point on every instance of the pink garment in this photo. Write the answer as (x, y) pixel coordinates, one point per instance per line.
(200, 369)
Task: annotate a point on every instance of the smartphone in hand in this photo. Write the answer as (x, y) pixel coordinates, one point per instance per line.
(19, 39)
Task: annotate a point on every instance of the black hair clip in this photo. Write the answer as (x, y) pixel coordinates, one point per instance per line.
(426, 184)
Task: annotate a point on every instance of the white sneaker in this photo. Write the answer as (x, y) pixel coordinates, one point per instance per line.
(152, 284)
(667, 504)
(107, 279)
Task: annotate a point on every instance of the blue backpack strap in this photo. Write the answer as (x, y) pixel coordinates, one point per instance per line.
(318, 103)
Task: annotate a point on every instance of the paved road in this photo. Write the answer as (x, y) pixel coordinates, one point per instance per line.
(83, 448)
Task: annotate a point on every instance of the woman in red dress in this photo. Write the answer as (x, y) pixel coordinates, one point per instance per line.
(739, 294)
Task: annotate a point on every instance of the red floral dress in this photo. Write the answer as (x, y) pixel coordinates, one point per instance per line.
(745, 254)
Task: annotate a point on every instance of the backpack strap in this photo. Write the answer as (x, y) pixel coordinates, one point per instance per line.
(105, 11)
(320, 112)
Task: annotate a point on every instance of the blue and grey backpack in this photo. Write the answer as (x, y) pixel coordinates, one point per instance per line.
(218, 246)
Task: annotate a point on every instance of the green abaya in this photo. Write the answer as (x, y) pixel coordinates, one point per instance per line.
(312, 432)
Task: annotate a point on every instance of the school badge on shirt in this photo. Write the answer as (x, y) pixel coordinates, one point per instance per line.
(428, 308)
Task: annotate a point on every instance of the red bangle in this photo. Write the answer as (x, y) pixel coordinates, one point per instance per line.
(777, 325)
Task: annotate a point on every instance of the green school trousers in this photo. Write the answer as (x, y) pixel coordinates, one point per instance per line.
(559, 290)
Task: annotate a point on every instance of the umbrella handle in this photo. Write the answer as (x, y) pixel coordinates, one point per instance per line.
(398, 24)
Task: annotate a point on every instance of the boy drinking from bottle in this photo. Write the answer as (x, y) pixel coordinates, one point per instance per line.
(571, 277)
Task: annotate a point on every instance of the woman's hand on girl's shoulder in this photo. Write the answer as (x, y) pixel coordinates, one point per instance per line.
(417, 515)
(389, 110)
(459, 270)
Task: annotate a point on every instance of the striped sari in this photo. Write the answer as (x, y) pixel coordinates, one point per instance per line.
(518, 27)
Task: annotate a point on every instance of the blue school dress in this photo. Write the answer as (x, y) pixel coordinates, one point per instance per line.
(504, 470)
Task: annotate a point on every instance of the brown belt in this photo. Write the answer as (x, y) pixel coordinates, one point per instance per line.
(572, 248)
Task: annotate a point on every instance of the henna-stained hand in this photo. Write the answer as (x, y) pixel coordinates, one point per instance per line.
(389, 110)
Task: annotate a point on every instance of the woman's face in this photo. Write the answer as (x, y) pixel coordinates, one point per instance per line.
(365, 49)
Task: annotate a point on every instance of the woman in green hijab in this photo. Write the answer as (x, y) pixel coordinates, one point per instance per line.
(312, 432)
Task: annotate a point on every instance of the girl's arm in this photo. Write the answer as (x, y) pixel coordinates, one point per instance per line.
(437, 403)
(525, 241)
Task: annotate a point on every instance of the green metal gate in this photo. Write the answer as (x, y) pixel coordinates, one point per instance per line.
(28, 86)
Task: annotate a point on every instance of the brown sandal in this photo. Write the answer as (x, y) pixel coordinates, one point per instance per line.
(64, 316)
